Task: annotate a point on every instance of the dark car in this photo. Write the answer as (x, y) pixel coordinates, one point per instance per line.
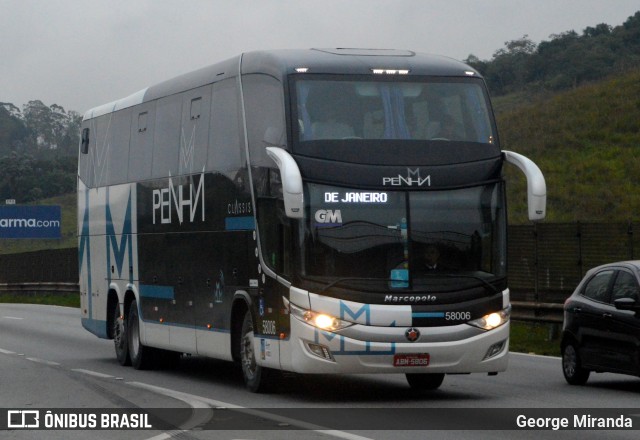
(601, 330)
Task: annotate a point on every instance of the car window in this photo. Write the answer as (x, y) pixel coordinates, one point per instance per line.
(625, 286)
(596, 288)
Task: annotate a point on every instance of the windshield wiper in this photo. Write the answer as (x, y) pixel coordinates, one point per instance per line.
(338, 281)
(341, 280)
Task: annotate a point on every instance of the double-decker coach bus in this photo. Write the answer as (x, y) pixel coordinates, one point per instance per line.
(313, 211)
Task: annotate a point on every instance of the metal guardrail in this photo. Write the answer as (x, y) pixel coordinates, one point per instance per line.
(537, 311)
(33, 289)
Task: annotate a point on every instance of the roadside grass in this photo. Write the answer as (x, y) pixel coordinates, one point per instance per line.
(535, 338)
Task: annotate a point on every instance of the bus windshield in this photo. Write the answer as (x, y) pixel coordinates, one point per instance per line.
(449, 109)
(403, 239)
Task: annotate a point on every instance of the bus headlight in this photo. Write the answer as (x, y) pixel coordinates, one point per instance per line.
(322, 321)
(492, 320)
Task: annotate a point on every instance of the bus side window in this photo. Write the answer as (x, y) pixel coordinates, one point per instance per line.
(264, 106)
(141, 150)
(166, 139)
(117, 147)
(225, 142)
(194, 131)
(275, 234)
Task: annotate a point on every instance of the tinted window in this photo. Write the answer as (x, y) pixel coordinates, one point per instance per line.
(194, 131)
(625, 286)
(140, 153)
(99, 155)
(118, 147)
(264, 106)
(225, 141)
(432, 109)
(596, 288)
(166, 148)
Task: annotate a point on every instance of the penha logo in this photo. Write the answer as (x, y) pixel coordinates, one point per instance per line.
(30, 221)
(413, 178)
(179, 199)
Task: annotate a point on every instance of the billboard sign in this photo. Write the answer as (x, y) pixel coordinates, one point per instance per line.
(30, 221)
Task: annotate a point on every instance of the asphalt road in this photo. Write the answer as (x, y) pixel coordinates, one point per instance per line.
(48, 361)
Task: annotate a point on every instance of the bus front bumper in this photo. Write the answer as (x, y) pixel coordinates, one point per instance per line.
(310, 350)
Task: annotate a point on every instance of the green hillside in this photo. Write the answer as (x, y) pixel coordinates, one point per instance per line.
(67, 203)
(586, 142)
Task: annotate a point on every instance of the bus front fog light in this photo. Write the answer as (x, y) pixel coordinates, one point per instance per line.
(320, 350)
(494, 349)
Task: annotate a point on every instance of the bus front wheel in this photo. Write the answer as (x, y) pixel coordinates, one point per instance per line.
(256, 378)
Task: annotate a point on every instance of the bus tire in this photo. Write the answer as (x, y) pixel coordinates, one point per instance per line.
(257, 379)
(425, 381)
(120, 338)
(141, 355)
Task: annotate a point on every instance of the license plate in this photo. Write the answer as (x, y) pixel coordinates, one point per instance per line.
(411, 360)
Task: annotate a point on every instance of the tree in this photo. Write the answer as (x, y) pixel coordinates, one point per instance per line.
(600, 29)
(12, 129)
(15, 167)
(509, 68)
(52, 128)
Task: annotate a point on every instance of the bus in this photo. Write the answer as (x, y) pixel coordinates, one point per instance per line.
(327, 211)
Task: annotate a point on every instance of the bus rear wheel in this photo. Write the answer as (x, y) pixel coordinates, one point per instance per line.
(257, 379)
(425, 381)
(120, 339)
(141, 355)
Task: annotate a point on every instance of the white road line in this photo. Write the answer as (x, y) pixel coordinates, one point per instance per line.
(192, 399)
(93, 373)
(11, 317)
(534, 355)
(7, 351)
(43, 361)
(197, 418)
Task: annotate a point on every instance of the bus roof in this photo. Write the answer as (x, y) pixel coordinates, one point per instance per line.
(280, 63)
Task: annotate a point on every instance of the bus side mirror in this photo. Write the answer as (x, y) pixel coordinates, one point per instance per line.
(536, 185)
(291, 182)
(84, 146)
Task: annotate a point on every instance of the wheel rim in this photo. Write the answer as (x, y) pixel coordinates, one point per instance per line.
(570, 361)
(247, 355)
(135, 337)
(118, 332)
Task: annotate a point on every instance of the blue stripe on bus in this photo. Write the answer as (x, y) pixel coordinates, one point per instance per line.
(98, 328)
(428, 315)
(159, 292)
(239, 223)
